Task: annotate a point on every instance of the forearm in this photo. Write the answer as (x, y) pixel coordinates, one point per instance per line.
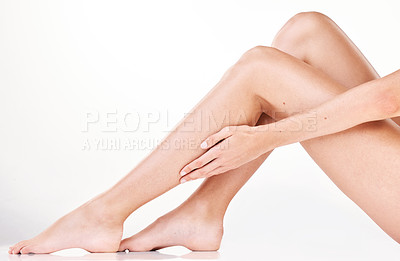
(375, 100)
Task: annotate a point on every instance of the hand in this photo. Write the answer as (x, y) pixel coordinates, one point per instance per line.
(228, 149)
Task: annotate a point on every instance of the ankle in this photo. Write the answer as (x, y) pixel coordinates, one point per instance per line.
(102, 209)
(206, 209)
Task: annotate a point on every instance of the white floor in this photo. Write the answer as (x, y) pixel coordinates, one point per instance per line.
(254, 249)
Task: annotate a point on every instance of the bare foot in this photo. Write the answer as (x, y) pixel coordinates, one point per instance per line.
(190, 227)
(88, 227)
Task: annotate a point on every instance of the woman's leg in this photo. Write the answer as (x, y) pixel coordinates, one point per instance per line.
(248, 89)
(198, 222)
(311, 37)
(331, 51)
(236, 99)
(97, 225)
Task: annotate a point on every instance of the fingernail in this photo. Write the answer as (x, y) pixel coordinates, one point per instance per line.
(183, 173)
(183, 181)
(203, 145)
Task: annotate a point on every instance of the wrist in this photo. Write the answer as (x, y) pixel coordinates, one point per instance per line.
(269, 137)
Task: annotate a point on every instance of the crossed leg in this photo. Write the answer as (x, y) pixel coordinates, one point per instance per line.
(258, 83)
(318, 41)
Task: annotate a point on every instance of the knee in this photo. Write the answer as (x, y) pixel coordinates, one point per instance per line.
(258, 57)
(301, 28)
(259, 60)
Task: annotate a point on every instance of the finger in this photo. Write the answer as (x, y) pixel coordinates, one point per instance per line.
(217, 137)
(200, 172)
(199, 162)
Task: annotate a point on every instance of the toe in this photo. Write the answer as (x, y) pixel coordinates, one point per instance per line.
(26, 250)
(15, 248)
(12, 248)
(18, 246)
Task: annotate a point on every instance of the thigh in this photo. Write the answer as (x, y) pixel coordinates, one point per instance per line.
(317, 40)
(362, 161)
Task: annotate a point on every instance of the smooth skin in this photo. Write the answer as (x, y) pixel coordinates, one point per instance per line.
(306, 36)
(226, 149)
(256, 85)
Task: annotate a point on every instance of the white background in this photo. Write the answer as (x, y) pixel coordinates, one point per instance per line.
(62, 59)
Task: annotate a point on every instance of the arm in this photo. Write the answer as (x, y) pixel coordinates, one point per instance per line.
(234, 146)
(374, 100)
